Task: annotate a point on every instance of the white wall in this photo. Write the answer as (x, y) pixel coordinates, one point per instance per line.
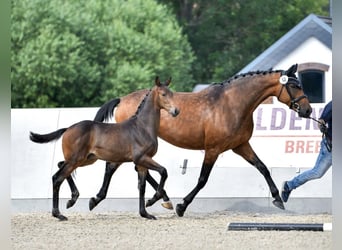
(32, 165)
(312, 50)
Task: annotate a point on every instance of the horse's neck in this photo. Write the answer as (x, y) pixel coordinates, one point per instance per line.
(256, 90)
(149, 115)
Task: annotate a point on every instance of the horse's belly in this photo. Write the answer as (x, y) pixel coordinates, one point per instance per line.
(189, 139)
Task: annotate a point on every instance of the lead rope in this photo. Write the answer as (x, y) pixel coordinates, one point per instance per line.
(327, 143)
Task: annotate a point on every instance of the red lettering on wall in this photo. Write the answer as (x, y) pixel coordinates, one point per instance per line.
(309, 146)
(318, 146)
(289, 146)
(300, 146)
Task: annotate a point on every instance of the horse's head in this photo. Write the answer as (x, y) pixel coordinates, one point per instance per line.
(165, 97)
(294, 96)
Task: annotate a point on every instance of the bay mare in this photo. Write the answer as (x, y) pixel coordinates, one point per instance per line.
(134, 140)
(216, 119)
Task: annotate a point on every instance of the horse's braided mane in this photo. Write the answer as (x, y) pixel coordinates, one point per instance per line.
(250, 73)
(225, 82)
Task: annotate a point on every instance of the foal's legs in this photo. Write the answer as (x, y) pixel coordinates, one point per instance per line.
(167, 203)
(142, 173)
(245, 150)
(208, 163)
(149, 163)
(74, 191)
(111, 167)
(110, 170)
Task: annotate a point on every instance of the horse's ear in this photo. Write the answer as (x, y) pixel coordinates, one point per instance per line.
(167, 83)
(292, 70)
(157, 81)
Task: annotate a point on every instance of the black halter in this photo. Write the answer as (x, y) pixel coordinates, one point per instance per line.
(291, 81)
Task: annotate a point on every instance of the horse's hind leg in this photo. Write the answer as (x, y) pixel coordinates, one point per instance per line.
(167, 203)
(74, 191)
(246, 151)
(142, 188)
(110, 169)
(57, 180)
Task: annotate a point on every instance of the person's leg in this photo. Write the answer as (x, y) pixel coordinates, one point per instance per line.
(323, 163)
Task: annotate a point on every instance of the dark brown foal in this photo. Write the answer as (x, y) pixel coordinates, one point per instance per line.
(134, 140)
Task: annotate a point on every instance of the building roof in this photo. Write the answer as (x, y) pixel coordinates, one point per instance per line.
(311, 26)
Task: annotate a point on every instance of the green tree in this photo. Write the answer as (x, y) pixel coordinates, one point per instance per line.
(82, 53)
(227, 34)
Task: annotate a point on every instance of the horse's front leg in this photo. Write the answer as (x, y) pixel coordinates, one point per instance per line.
(110, 169)
(74, 191)
(246, 151)
(208, 163)
(142, 187)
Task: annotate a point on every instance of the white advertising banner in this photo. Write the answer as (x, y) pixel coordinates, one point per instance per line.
(284, 138)
(280, 139)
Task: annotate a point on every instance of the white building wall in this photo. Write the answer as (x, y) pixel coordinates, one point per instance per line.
(312, 50)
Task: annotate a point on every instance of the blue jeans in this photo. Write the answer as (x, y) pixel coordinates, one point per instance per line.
(323, 163)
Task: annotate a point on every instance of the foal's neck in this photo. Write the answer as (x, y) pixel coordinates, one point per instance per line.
(149, 114)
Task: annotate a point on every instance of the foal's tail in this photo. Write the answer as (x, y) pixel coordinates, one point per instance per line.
(47, 137)
(106, 110)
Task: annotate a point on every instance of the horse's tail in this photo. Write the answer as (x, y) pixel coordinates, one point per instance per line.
(106, 110)
(47, 137)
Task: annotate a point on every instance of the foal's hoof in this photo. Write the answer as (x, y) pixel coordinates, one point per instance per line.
(180, 209)
(167, 205)
(153, 200)
(92, 203)
(151, 217)
(278, 204)
(148, 216)
(60, 217)
(149, 203)
(70, 203)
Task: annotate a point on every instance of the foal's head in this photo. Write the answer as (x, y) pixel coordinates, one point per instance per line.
(165, 97)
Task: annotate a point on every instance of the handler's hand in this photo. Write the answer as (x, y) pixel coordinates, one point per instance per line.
(321, 125)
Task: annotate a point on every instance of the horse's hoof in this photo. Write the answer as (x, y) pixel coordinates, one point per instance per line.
(59, 216)
(70, 203)
(92, 203)
(278, 204)
(180, 210)
(167, 205)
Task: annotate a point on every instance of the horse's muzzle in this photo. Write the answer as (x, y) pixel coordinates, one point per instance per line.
(174, 112)
(303, 108)
(304, 111)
